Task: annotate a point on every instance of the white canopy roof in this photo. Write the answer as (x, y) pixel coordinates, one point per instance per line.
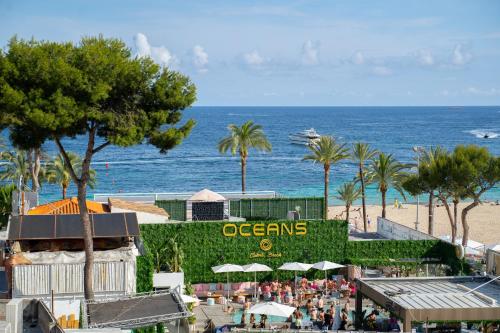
(326, 265)
(227, 268)
(206, 195)
(272, 309)
(189, 299)
(295, 266)
(255, 267)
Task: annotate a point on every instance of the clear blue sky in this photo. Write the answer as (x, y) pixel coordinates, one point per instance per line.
(306, 52)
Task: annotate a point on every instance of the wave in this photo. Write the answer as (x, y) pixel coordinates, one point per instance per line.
(483, 133)
(248, 115)
(194, 159)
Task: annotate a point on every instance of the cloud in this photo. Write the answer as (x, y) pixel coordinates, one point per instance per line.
(253, 58)
(358, 58)
(460, 57)
(425, 58)
(310, 52)
(483, 92)
(381, 71)
(200, 58)
(159, 54)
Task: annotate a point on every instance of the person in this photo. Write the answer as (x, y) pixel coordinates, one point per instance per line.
(320, 303)
(230, 309)
(263, 321)
(356, 222)
(252, 321)
(333, 312)
(393, 324)
(321, 319)
(298, 318)
(243, 321)
(347, 307)
(328, 321)
(314, 314)
(343, 320)
(369, 219)
(371, 321)
(309, 306)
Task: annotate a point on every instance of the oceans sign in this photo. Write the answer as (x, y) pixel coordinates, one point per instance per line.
(282, 229)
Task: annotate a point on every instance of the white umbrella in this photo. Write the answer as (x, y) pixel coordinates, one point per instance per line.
(256, 268)
(227, 268)
(189, 299)
(295, 266)
(272, 309)
(325, 266)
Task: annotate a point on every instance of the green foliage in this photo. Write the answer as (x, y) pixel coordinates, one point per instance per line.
(348, 193)
(16, 165)
(58, 171)
(387, 172)
(242, 139)
(205, 246)
(6, 203)
(144, 274)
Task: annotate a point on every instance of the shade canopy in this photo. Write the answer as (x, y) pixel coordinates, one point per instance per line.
(326, 265)
(256, 268)
(227, 268)
(189, 299)
(295, 266)
(272, 309)
(206, 195)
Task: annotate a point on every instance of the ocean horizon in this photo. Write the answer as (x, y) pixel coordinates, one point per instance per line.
(197, 164)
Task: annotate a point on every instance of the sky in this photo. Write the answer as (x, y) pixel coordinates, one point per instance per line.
(294, 53)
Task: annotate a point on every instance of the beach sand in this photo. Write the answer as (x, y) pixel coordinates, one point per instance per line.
(484, 220)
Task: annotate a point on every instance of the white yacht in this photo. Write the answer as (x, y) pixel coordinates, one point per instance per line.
(305, 137)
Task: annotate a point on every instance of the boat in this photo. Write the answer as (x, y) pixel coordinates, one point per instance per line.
(486, 136)
(305, 137)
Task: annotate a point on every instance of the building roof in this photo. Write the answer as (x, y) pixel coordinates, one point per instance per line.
(137, 207)
(68, 206)
(435, 298)
(206, 195)
(136, 311)
(69, 226)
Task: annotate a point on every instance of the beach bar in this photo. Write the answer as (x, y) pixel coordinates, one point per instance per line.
(433, 299)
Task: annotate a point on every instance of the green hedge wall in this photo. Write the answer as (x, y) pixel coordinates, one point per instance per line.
(175, 208)
(204, 246)
(277, 208)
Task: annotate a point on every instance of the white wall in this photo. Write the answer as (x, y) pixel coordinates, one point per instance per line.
(393, 230)
(172, 280)
(14, 315)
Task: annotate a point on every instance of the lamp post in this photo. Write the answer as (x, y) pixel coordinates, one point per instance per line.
(418, 150)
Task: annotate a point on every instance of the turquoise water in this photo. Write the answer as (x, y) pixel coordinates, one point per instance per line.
(197, 164)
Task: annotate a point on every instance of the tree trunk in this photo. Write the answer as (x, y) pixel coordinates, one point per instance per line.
(363, 199)
(88, 243)
(450, 216)
(465, 225)
(327, 182)
(383, 203)
(34, 167)
(243, 173)
(348, 208)
(455, 222)
(431, 213)
(64, 191)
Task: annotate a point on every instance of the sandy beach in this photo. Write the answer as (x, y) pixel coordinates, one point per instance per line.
(484, 220)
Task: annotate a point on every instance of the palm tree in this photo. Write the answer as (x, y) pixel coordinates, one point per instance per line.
(58, 172)
(386, 172)
(327, 152)
(16, 166)
(240, 140)
(348, 193)
(361, 152)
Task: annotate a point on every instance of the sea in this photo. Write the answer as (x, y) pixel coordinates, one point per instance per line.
(197, 164)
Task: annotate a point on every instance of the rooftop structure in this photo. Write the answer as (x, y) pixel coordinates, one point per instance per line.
(68, 206)
(433, 299)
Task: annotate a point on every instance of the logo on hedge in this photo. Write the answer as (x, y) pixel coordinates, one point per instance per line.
(266, 244)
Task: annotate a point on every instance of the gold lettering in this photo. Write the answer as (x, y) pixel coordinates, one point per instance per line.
(243, 233)
(289, 229)
(258, 229)
(300, 228)
(273, 227)
(256, 255)
(227, 233)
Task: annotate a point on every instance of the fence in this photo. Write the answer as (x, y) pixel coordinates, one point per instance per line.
(277, 208)
(40, 280)
(393, 230)
(175, 208)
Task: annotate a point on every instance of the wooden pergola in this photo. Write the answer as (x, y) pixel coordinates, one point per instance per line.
(432, 299)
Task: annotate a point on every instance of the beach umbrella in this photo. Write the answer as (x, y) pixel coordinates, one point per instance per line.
(295, 266)
(272, 309)
(256, 268)
(325, 266)
(227, 268)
